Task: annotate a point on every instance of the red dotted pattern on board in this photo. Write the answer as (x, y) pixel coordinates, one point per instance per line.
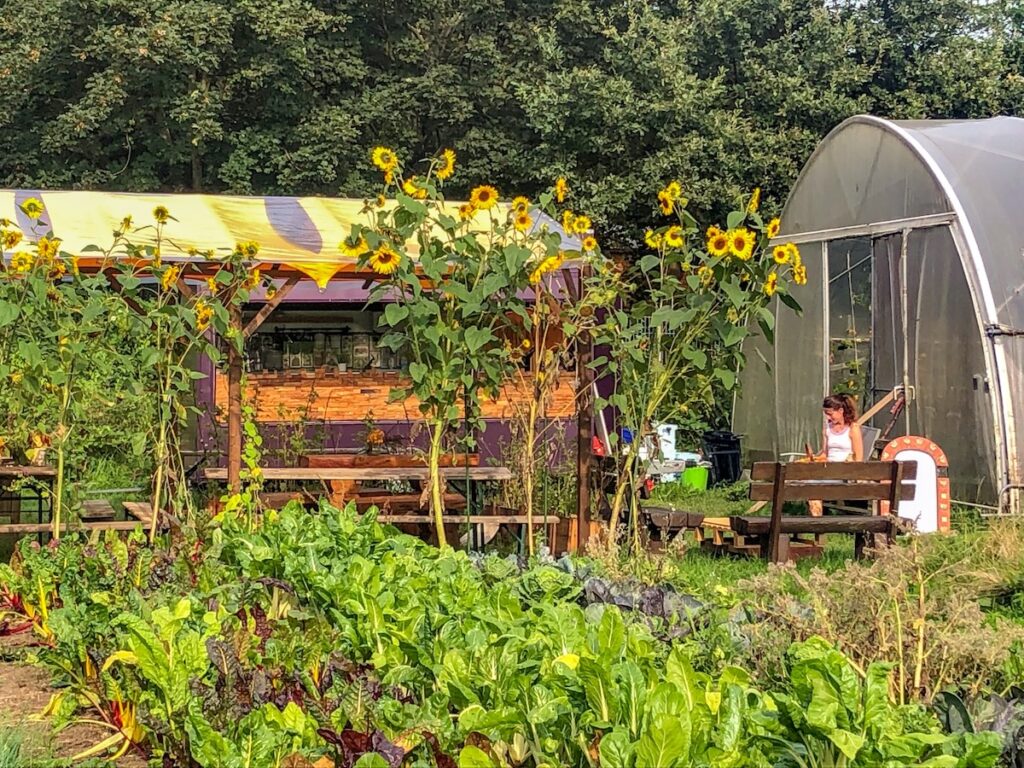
(941, 483)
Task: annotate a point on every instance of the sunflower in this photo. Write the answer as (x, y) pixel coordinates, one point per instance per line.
(653, 239)
(732, 315)
(718, 244)
(58, 269)
(271, 291)
(74, 266)
(211, 284)
(770, 284)
(412, 188)
(713, 231)
(800, 274)
(251, 280)
(353, 249)
(568, 217)
(204, 314)
(161, 214)
(22, 262)
(126, 224)
(589, 243)
(741, 243)
(389, 176)
(9, 238)
(385, 159)
(705, 274)
(381, 200)
(772, 230)
(581, 225)
(549, 264)
(674, 236)
(781, 254)
(755, 200)
(561, 189)
(47, 248)
(521, 204)
(673, 190)
(483, 197)
(794, 254)
(447, 166)
(247, 248)
(33, 208)
(169, 277)
(466, 211)
(666, 203)
(384, 260)
(522, 222)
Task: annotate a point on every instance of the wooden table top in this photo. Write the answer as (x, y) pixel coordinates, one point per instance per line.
(17, 470)
(368, 473)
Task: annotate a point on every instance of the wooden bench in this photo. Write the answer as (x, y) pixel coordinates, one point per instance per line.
(778, 483)
(669, 520)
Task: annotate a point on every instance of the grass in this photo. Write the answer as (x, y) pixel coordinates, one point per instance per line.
(11, 741)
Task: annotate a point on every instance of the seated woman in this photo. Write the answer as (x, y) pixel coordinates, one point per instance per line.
(842, 439)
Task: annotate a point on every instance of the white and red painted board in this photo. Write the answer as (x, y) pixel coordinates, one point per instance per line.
(929, 511)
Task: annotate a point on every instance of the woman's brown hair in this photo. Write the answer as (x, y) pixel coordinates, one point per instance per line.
(844, 403)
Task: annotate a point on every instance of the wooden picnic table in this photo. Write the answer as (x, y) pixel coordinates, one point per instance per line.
(327, 474)
(11, 502)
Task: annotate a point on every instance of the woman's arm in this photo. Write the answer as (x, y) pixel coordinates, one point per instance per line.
(857, 438)
(823, 453)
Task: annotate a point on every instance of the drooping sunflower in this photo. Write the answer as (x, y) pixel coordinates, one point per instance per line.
(385, 159)
(466, 211)
(74, 266)
(381, 200)
(772, 230)
(211, 284)
(755, 200)
(483, 197)
(794, 254)
(741, 243)
(589, 243)
(666, 203)
(581, 225)
(247, 248)
(169, 277)
(521, 204)
(800, 274)
(58, 269)
(33, 208)
(353, 249)
(9, 238)
(653, 239)
(561, 189)
(568, 217)
(22, 261)
(674, 236)
(781, 254)
(705, 274)
(447, 165)
(522, 221)
(413, 189)
(204, 314)
(252, 279)
(161, 215)
(384, 260)
(770, 284)
(718, 244)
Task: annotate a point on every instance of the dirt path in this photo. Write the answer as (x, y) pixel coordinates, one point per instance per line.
(25, 691)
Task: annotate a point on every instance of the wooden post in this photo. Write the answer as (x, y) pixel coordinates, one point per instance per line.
(778, 550)
(235, 402)
(584, 427)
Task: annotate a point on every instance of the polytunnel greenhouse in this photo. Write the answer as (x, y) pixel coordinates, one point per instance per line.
(913, 237)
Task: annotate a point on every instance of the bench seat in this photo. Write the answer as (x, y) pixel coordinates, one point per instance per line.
(761, 526)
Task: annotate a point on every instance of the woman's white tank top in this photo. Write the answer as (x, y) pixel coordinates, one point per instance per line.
(839, 445)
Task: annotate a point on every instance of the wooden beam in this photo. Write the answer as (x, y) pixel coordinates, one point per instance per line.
(185, 289)
(584, 428)
(116, 285)
(235, 403)
(269, 307)
(325, 474)
(105, 525)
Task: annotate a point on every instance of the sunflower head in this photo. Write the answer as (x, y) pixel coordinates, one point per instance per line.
(483, 197)
(467, 211)
(568, 217)
(741, 243)
(666, 203)
(381, 200)
(781, 254)
(674, 236)
(718, 244)
(770, 284)
(522, 221)
(800, 274)
(772, 230)
(589, 243)
(673, 190)
(446, 165)
(248, 249)
(755, 200)
(384, 260)
(384, 158)
(9, 238)
(705, 274)
(794, 254)
(561, 189)
(22, 261)
(521, 204)
(653, 239)
(161, 215)
(712, 231)
(413, 189)
(581, 225)
(47, 248)
(353, 247)
(33, 208)
(169, 277)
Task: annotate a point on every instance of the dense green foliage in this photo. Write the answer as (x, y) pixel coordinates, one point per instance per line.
(284, 97)
(318, 633)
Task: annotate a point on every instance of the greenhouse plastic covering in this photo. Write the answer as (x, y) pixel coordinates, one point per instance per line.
(955, 188)
(299, 232)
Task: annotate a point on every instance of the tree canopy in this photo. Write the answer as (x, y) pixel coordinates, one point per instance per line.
(287, 97)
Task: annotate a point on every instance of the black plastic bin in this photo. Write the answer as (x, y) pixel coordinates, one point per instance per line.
(722, 449)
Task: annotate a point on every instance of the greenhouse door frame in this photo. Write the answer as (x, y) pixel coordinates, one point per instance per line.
(994, 357)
